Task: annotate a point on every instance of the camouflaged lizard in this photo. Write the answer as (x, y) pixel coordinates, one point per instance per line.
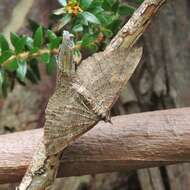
(85, 95)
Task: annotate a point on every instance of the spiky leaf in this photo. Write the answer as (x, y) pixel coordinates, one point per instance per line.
(4, 45)
(18, 42)
(90, 17)
(126, 10)
(38, 37)
(6, 55)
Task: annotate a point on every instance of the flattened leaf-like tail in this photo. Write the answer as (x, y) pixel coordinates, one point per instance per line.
(99, 83)
(106, 75)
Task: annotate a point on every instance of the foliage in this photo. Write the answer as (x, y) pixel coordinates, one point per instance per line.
(21, 62)
(93, 23)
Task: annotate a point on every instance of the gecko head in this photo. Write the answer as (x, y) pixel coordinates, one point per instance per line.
(66, 34)
(68, 38)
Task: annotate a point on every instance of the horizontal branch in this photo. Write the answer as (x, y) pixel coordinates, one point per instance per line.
(131, 142)
(28, 55)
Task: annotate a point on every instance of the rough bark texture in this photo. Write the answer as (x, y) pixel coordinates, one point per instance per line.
(163, 81)
(168, 67)
(145, 140)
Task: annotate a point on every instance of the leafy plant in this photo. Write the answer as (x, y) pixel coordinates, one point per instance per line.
(21, 62)
(92, 22)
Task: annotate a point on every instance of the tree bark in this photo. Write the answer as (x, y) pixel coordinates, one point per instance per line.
(131, 142)
(162, 80)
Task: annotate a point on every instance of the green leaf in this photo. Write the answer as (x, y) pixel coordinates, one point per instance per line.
(62, 22)
(51, 35)
(50, 67)
(93, 48)
(90, 17)
(5, 85)
(29, 42)
(45, 58)
(115, 6)
(108, 33)
(138, 1)
(6, 55)
(35, 68)
(95, 4)
(59, 11)
(111, 2)
(126, 10)
(54, 43)
(54, 40)
(87, 40)
(106, 5)
(38, 37)
(105, 18)
(84, 4)
(109, 5)
(21, 70)
(4, 45)
(63, 2)
(82, 20)
(12, 66)
(115, 25)
(34, 50)
(15, 39)
(18, 42)
(97, 10)
(77, 28)
(30, 75)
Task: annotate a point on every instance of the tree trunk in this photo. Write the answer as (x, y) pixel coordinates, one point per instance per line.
(163, 81)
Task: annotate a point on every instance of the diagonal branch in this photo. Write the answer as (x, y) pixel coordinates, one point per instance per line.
(132, 142)
(136, 25)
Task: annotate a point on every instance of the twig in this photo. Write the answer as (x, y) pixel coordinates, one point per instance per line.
(29, 55)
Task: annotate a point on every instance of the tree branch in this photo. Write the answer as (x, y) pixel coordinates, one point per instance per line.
(28, 55)
(136, 25)
(132, 142)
